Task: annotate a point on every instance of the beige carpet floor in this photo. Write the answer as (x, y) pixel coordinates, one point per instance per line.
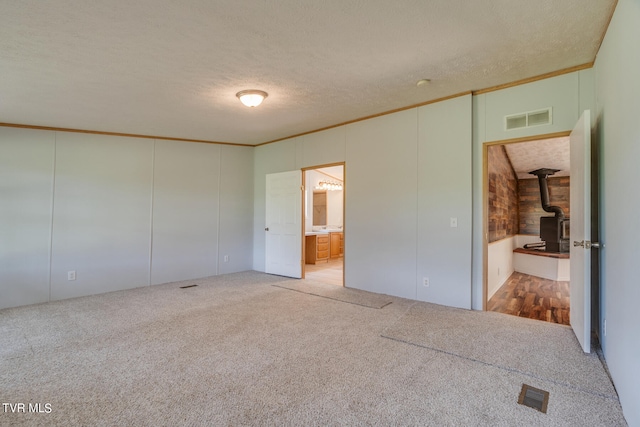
(251, 349)
(530, 347)
(338, 293)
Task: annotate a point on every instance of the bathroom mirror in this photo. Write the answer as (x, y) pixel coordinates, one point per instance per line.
(320, 208)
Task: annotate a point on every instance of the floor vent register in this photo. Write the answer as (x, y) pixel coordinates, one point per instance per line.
(534, 398)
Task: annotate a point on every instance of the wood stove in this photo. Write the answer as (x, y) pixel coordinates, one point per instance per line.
(554, 230)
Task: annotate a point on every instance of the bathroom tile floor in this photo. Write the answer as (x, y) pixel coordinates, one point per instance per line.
(326, 272)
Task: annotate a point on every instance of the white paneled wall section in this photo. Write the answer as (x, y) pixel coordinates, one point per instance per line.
(381, 204)
(121, 212)
(185, 223)
(444, 195)
(235, 221)
(26, 200)
(618, 109)
(101, 214)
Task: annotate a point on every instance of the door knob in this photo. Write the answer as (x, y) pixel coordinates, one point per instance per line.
(586, 244)
(266, 229)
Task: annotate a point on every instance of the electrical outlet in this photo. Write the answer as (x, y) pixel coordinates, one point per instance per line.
(453, 222)
(71, 275)
(226, 258)
(425, 282)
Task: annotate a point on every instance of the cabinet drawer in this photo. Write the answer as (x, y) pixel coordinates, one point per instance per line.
(322, 254)
(323, 239)
(323, 246)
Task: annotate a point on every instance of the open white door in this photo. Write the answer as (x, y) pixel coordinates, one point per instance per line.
(580, 232)
(283, 228)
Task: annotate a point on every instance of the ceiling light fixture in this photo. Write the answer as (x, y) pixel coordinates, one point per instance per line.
(252, 97)
(423, 82)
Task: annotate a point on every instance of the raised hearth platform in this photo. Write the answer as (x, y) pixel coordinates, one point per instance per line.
(548, 265)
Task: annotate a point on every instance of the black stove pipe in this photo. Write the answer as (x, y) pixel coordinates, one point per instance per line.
(544, 191)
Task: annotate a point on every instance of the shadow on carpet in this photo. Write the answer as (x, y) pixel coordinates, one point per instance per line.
(337, 293)
(506, 342)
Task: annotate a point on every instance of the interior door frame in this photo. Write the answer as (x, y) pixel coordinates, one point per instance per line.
(485, 201)
(344, 203)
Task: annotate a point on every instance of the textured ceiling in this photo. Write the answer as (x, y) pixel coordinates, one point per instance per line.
(172, 68)
(549, 153)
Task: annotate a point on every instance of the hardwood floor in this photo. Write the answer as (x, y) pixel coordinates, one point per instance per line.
(329, 272)
(521, 295)
(533, 297)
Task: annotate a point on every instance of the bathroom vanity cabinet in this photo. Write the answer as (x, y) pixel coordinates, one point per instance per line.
(316, 248)
(336, 244)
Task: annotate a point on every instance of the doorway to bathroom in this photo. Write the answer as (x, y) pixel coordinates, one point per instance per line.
(324, 231)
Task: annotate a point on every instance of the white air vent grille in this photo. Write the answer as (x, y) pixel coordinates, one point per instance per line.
(528, 119)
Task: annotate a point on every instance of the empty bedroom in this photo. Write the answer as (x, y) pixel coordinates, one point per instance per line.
(294, 213)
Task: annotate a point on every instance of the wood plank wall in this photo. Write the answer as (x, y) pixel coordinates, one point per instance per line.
(503, 195)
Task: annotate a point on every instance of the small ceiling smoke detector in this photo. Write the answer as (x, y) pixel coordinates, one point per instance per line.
(252, 97)
(423, 82)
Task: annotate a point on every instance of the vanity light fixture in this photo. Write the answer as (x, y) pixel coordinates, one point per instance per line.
(329, 186)
(252, 97)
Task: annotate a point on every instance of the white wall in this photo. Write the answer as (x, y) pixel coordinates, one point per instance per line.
(444, 192)
(235, 221)
(321, 148)
(185, 224)
(335, 208)
(618, 109)
(101, 214)
(381, 204)
(407, 174)
(499, 263)
(561, 93)
(26, 194)
(542, 266)
(83, 202)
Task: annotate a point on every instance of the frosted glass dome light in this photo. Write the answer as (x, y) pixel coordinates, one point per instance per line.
(251, 98)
